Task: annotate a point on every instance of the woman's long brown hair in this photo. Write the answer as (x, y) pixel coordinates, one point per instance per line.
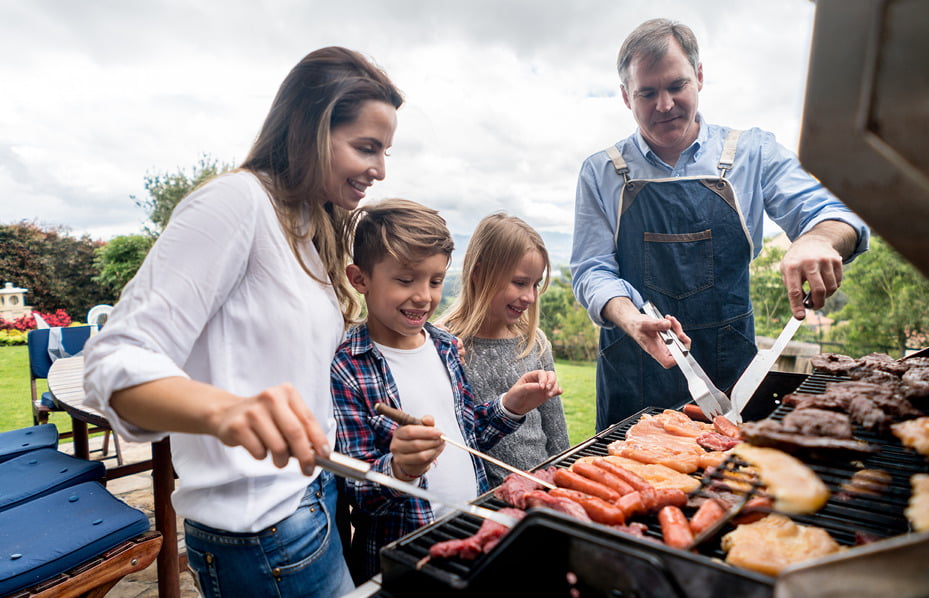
(291, 155)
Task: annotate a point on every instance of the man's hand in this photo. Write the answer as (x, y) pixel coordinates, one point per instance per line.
(816, 258)
(531, 390)
(645, 329)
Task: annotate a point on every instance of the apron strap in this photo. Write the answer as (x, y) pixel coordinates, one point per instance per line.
(618, 163)
(727, 157)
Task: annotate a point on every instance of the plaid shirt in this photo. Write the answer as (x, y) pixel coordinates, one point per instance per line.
(360, 378)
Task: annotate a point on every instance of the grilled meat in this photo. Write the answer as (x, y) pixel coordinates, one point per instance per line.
(834, 363)
(818, 422)
(795, 487)
(774, 542)
(914, 434)
(918, 510)
(770, 433)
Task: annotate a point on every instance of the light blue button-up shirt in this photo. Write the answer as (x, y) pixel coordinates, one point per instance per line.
(766, 176)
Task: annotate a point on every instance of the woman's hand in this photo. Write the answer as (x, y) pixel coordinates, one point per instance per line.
(274, 421)
(531, 390)
(415, 448)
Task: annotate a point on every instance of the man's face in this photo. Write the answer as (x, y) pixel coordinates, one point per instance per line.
(663, 100)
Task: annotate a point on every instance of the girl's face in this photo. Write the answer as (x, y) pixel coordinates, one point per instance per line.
(519, 291)
(358, 152)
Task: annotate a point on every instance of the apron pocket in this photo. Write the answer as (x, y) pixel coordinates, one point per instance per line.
(679, 266)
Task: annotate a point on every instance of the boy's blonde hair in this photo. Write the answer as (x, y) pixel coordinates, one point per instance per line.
(406, 230)
(499, 242)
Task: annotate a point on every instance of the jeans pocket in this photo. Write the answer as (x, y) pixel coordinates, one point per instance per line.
(680, 265)
(202, 566)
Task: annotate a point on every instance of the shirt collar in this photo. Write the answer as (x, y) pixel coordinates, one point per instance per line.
(689, 153)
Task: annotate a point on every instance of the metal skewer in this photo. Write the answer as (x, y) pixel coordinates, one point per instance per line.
(405, 419)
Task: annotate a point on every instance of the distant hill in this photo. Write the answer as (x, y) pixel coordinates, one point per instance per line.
(558, 245)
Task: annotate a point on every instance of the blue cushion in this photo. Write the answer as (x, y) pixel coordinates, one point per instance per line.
(48, 402)
(53, 534)
(16, 442)
(42, 472)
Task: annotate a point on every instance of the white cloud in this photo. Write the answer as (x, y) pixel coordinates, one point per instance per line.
(504, 98)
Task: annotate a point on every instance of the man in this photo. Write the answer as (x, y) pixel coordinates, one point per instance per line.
(673, 215)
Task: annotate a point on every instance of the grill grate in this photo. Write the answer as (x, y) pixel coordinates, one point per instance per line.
(848, 518)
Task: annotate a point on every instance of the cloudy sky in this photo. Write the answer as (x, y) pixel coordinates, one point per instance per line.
(504, 98)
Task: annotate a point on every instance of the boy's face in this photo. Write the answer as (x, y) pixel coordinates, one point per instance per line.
(400, 298)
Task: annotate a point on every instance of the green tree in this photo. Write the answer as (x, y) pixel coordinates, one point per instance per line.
(57, 269)
(120, 259)
(566, 323)
(167, 189)
(888, 303)
(769, 298)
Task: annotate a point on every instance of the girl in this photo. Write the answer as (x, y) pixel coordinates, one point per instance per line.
(225, 337)
(496, 316)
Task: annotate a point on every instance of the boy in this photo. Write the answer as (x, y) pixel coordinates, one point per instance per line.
(401, 251)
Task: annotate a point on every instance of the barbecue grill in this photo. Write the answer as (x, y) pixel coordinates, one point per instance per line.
(550, 554)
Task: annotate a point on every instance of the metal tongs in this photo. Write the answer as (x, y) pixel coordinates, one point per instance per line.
(355, 469)
(404, 419)
(710, 399)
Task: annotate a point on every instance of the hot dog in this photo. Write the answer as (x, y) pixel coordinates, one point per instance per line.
(651, 500)
(674, 527)
(709, 513)
(695, 413)
(726, 427)
(634, 480)
(602, 475)
(574, 481)
(597, 509)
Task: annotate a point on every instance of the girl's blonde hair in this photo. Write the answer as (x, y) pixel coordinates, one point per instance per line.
(499, 242)
(291, 155)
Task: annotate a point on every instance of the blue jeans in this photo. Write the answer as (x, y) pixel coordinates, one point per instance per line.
(299, 556)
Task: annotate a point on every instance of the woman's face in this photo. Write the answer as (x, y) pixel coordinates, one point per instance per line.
(358, 151)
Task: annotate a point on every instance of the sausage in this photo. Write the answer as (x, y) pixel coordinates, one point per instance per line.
(602, 475)
(695, 413)
(633, 479)
(663, 497)
(597, 509)
(674, 527)
(708, 514)
(725, 427)
(575, 481)
(755, 508)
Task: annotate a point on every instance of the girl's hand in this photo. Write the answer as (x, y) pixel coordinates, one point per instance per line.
(275, 421)
(415, 448)
(531, 390)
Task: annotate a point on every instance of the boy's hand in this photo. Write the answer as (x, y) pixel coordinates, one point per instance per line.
(414, 448)
(531, 390)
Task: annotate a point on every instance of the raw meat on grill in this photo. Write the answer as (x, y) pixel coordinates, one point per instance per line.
(884, 362)
(865, 482)
(818, 422)
(914, 433)
(483, 541)
(916, 382)
(714, 441)
(917, 511)
(834, 363)
(514, 487)
(771, 433)
(541, 499)
(772, 543)
(795, 487)
(867, 414)
(799, 400)
(657, 475)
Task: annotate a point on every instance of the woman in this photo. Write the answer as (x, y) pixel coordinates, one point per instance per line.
(225, 336)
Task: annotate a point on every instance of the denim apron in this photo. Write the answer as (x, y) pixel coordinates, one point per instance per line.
(682, 242)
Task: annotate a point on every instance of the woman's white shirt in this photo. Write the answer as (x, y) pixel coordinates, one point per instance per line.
(222, 299)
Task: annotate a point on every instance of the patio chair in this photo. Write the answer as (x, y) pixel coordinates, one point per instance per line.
(69, 341)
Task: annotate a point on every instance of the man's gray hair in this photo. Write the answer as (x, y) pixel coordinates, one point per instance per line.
(650, 41)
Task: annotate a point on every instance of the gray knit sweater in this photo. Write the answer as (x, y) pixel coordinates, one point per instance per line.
(492, 367)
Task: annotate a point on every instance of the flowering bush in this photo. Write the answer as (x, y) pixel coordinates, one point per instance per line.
(27, 322)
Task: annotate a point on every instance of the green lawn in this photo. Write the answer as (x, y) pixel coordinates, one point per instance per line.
(575, 378)
(15, 411)
(577, 381)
